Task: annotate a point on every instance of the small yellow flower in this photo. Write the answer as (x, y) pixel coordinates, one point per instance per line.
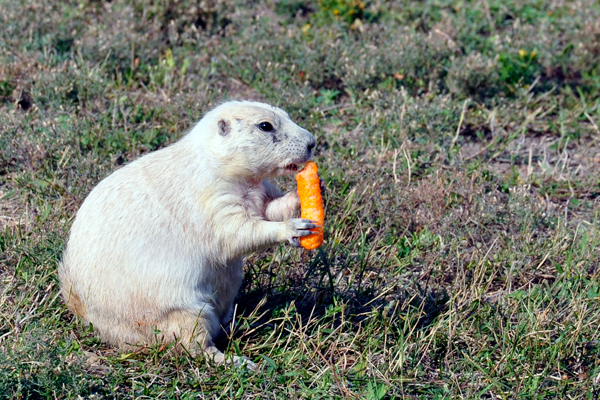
(336, 11)
(522, 53)
(361, 5)
(305, 28)
(533, 54)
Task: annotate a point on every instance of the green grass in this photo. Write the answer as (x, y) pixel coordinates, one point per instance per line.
(460, 146)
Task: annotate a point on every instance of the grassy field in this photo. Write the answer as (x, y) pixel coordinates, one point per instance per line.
(460, 146)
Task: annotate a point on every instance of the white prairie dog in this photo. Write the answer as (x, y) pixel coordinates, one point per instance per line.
(157, 246)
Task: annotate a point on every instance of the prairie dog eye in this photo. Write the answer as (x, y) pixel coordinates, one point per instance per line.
(265, 126)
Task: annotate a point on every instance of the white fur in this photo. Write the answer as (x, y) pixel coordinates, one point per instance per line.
(157, 246)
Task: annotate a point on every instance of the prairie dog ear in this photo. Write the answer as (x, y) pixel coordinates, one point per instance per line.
(224, 127)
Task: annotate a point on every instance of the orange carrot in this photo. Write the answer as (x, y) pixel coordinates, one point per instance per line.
(311, 203)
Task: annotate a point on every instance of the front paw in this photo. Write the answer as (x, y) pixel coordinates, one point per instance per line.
(299, 227)
(240, 362)
(293, 201)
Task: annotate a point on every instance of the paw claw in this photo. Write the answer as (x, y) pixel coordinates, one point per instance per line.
(299, 227)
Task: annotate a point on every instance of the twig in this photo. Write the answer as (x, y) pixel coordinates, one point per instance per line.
(343, 106)
(460, 122)
(408, 164)
(394, 166)
(529, 167)
(592, 121)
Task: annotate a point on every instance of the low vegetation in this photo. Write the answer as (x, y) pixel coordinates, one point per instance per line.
(460, 147)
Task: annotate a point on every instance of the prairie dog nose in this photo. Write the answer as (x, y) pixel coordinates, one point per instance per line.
(311, 144)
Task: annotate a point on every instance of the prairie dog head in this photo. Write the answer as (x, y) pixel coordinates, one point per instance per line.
(255, 140)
